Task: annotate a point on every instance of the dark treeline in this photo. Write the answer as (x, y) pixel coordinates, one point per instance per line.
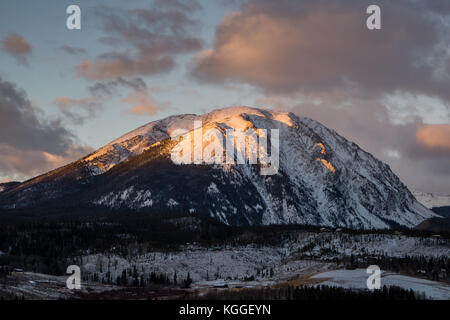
(310, 293)
(45, 245)
(131, 277)
(4, 271)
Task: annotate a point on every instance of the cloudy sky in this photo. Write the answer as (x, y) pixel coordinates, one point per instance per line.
(64, 93)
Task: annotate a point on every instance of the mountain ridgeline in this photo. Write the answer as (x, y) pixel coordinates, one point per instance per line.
(322, 179)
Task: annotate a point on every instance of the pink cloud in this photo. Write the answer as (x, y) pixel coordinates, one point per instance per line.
(143, 104)
(18, 47)
(309, 46)
(434, 136)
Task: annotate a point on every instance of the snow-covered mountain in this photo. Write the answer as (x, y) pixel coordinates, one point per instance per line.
(323, 179)
(430, 200)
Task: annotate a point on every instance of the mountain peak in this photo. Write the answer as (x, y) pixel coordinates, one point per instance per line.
(168, 124)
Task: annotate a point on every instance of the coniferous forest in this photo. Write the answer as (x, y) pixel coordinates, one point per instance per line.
(46, 246)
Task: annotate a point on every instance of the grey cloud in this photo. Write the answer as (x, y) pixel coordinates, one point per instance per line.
(28, 144)
(18, 164)
(155, 37)
(180, 5)
(73, 50)
(70, 108)
(110, 88)
(20, 126)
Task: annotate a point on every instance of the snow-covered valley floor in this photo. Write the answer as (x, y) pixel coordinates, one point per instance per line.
(356, 279)
(301, 258)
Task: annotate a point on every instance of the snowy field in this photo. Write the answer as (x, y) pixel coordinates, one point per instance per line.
(305, 254)
(202, 264)
(356, 279)
(303, 258)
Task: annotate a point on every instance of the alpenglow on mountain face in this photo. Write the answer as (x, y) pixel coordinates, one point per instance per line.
(322, 179)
